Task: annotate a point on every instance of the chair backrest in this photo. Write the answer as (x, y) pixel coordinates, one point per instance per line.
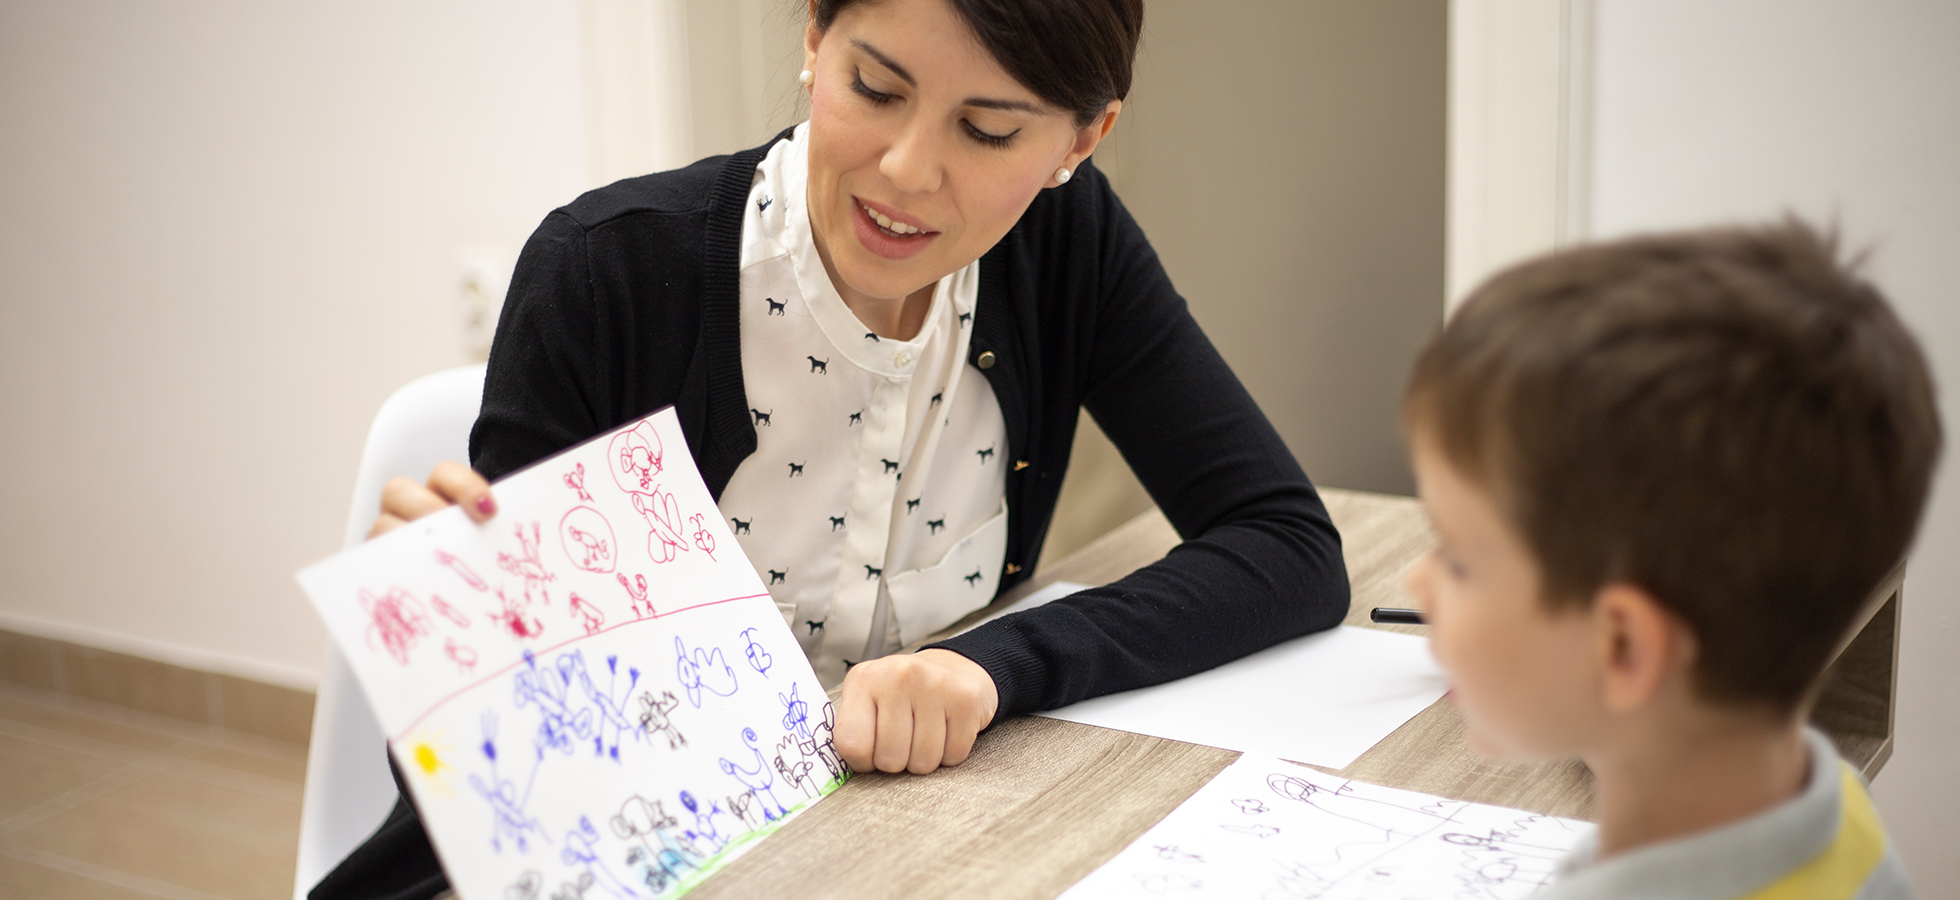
(348, 788)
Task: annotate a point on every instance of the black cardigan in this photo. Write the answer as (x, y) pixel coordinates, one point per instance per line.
(625, 301)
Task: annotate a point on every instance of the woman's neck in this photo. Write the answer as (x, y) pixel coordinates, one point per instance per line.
(900, 319)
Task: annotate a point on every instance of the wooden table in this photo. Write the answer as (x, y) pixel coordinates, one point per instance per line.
(1043, 802)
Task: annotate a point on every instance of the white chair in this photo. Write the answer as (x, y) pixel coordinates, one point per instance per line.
(348, 788)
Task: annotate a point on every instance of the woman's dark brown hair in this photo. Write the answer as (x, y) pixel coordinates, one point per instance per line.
(1076, 55)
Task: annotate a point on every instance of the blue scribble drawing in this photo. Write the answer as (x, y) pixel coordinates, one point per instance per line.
(581, 852)
(560, 726)
(796, 713)
(661, 861)
(612, 721)
(656, 717)
(511, 823)
(704, 830)
(758, 780)
(759, 659)
(704, 669)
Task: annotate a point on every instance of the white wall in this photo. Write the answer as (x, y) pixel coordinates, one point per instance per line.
(1838, 109)
(227, 231)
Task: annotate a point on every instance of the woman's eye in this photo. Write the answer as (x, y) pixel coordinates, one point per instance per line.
(991, 140)
(878, 98)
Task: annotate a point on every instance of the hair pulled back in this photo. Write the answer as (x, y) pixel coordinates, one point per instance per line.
(1074, 54)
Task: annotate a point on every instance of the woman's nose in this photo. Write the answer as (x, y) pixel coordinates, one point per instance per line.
(913, 163)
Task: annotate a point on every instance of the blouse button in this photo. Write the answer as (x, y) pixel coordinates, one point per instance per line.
(986, 360)
(903, 359)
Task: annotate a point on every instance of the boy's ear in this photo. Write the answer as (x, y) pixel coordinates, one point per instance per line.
(1640, 646)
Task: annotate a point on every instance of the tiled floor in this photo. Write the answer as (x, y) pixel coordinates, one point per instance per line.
(97, 801)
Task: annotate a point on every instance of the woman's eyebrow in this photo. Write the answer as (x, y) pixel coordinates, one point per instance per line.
(905, 76)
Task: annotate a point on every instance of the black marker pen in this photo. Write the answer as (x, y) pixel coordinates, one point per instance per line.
(1387, 616)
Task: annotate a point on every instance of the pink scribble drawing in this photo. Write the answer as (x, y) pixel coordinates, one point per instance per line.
(461, 655)
(575, 480)
(638, 589)
(443, 609)
(396, 622)
(516, 619)
(703, 538)
(590, 615)
(462, 570)
(587, 539)
(636, 456)
(528, 566)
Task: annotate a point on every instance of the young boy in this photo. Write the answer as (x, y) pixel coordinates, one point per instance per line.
(1667, 472)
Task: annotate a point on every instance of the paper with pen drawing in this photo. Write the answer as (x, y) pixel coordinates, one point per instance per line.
(593, 694)
(1267, 828)
(1322, 699)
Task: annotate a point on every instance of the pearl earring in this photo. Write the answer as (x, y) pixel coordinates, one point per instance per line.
(808, 78)
(1062, 176)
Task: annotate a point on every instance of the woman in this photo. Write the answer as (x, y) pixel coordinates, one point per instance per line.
(877, 330)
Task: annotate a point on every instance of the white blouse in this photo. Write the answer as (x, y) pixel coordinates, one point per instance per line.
(874, 505)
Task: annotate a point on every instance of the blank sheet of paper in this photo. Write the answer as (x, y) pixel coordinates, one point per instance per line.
(1322, 699)
(1266, 828)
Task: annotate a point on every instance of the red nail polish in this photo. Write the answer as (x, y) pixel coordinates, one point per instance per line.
(486, 505)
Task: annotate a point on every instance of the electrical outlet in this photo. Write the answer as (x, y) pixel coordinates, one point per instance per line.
(483, 278)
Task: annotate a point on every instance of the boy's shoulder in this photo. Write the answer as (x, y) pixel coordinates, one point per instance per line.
(1826, 843)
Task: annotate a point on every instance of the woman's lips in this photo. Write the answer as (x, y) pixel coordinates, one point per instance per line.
(887, 242)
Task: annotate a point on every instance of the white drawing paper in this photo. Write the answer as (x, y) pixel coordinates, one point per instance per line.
(1270, 829)
(592, 695)
(1323, 699)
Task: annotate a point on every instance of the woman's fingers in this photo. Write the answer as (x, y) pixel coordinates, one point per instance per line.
(407, 501)
(894, 753)
(461, 485)
(928, 745)
(385, 524)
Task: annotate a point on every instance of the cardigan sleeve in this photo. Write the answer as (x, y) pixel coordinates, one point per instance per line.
(1261, 560)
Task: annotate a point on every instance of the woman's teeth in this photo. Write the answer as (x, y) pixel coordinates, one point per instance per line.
(891, 225)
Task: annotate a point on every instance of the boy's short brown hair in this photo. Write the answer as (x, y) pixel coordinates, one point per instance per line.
(1731, 419)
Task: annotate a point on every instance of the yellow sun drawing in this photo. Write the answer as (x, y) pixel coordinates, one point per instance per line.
(425, 754)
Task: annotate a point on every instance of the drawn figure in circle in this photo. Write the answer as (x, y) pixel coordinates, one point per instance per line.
(562, 724)
(575, 479)
(742, 527)
(526, 887)
(443, 609)
(1170, 853)
(510, 823)
(890, 466)
(819, 366)
(656, 717)
(796, 713)
(795, 469)
(760, 780)
(872, 572)
(966, 318)
(936, 524)
(574, 889)
(703, 538)
(528, 565)
(395, 622)
(815, 626)
(935, 399)
(513, 615)
(776, 577)
(763, 204)
(1164, 884)
(1258, 831)
(759, 658)
(581, 852)
(661, 861)
(857, 418)
(637, 589)
(636, 456)
(776, 309)
(462, 656)
(589, 615)
(794, 769)
(912, 505)
(871, 336)
(836, 522)
(985, 455)
(973, 579)
(1250, 807)
(462, 570)
(587, 539)
(704, 830)
(762, 418)
(703, 669)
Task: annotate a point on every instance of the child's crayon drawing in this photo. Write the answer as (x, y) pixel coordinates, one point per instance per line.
(619, 744)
